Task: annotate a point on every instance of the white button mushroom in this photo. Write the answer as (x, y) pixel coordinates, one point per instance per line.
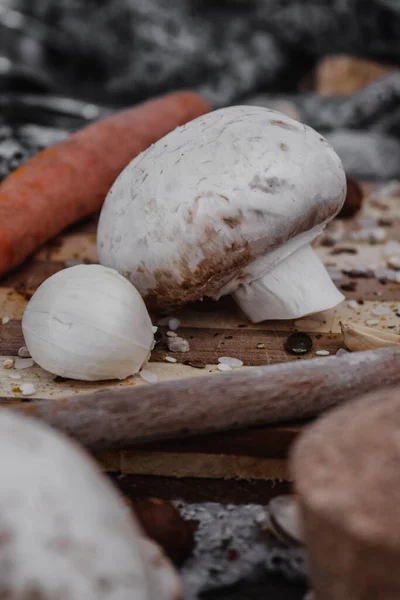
(65, 531)
(228, 203)
(88, 322)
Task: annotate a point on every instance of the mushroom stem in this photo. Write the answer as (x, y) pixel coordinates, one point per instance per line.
(297, 286)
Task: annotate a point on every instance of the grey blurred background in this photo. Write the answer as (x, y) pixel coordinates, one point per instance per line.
(331, 63)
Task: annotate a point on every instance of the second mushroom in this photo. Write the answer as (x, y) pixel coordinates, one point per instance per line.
(227, 204)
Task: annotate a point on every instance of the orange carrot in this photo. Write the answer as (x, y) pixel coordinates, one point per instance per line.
(70, 180)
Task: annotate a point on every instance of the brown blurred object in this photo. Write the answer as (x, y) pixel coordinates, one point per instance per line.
(164, 524)
(346, 468)
(354, 199)
(336, 75)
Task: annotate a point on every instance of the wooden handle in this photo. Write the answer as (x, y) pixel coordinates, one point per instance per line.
(346, 468)
(114, 419)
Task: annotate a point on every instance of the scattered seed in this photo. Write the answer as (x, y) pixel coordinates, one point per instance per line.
(148, 376)
(14, 376)
(170, 359)
(386, 190)
(261, 346)
(23, 352)
(178, 344)
(23, 363)
(4, 320)
(173, 324)
(8, 363)
(377, 235)
(27, 389)
(373, 235)
(381, 309)
(235, 363)
(385, 275)
(223, 367)
(172, 334)
(371, 322)
(155, 328)
(382, 275)
(299, 343)
(353, 304)
(322, 352)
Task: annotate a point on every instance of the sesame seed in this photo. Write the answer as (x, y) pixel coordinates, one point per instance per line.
(27, 389)
(223, 367)
(170, 359)
(148, 376)
(234, 363)
(173, 324)
(23, 352)
(23, 363)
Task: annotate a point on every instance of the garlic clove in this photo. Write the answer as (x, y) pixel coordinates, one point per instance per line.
(162, 581)
(359, 338)
(88, 322)
(297, 286)
(73, 531)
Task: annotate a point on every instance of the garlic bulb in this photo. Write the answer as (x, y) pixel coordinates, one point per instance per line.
(72, 536)
(88, 322)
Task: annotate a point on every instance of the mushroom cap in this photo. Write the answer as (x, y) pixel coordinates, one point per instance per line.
(65, 531)
(187, 216)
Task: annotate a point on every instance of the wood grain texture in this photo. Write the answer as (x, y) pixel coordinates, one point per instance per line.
(258, 395)
(207, 490)
(213, 329)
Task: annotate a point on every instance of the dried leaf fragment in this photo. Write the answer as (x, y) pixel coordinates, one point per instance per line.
(358, 337)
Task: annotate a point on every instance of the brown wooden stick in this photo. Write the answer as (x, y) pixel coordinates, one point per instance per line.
(113, 419)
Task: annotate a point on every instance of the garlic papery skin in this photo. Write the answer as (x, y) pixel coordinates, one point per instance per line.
(88, 322)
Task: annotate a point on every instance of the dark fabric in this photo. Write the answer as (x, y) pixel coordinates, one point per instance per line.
(118, 52)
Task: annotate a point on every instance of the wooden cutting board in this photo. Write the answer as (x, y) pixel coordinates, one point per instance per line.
(213, 329)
